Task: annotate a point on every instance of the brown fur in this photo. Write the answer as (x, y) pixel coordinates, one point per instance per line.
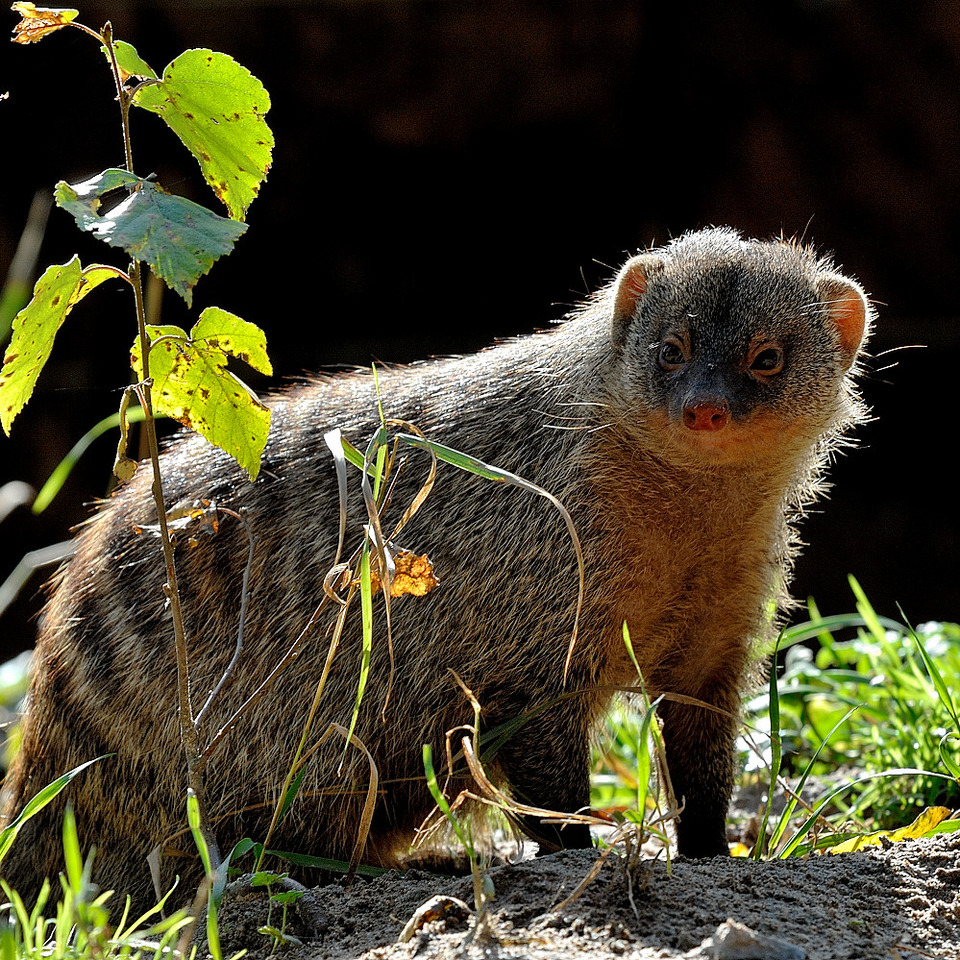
(687, 537)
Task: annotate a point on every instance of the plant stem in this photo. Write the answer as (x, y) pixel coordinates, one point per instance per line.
(189, 736)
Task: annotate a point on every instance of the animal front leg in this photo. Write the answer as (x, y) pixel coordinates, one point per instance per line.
(699, 746)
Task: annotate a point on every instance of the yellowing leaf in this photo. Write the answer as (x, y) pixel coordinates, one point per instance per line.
(36, 326)
(919, 828)
(37, 21)
(217, 108)
(233, 335)
(191, 382)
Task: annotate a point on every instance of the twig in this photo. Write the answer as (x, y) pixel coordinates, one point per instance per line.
(244, 599)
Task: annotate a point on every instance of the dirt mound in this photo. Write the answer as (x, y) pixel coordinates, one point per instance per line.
(900, 902)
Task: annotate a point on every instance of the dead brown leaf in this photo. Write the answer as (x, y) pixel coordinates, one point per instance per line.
(412, 575)
(37, 21)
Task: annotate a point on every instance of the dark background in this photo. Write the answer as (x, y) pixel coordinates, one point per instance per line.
(450, 172)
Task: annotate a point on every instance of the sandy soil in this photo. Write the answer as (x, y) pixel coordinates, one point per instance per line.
(900, 902)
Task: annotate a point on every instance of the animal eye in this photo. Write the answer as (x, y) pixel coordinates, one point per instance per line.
(671, 355)
(767, 361)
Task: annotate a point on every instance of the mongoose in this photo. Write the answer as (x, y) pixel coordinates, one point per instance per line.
(683, 415)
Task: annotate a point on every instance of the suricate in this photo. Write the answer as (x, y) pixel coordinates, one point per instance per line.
(683, 416)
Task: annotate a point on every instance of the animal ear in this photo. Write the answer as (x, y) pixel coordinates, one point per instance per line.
(849, 310)
(629, 287)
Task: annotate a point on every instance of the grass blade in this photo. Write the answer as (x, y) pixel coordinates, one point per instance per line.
(38, 802)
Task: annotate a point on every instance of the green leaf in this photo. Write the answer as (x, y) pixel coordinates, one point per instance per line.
(946, 758)
(178, 238)
(217, 108)
(943, 691)
(72, 858)
(191, 382)
(291, 792)
(130, 62)
(82, 200)
(366, 611)
(39, 801)
(36, 326)
(288, 896)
